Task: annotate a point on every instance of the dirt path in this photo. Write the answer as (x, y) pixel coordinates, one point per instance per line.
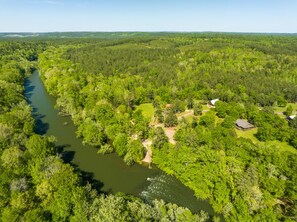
(149, 153)
(170, 134)
(148, 157)
(185, 114)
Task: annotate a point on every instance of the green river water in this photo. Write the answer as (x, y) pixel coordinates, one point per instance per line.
(107, 172)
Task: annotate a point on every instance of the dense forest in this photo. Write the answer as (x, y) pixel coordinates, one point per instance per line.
(35, 183)
(103, 83)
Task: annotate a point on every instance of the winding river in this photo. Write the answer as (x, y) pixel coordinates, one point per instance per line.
(107, 172)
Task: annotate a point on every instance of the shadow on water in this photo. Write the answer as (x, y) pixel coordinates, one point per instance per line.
(28, 90)
(66, 155)
(86, 177)
(41, 127)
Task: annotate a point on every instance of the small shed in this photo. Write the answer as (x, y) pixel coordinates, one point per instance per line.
(213, 101)
(243, 125)
(291, 117)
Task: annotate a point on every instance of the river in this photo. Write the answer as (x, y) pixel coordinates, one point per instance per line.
(108, 173)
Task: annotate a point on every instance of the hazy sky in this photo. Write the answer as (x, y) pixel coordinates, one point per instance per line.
(148, 15)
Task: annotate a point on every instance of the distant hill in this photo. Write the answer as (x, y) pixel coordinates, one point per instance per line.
(110, 35)
(81, 34)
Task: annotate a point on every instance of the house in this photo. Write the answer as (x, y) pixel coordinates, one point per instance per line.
(243, 125)
(212, 102)
(291, 117)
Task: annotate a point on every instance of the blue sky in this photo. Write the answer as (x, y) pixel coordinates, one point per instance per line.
(148, 15)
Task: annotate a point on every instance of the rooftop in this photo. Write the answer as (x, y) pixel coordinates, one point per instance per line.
(243, 124)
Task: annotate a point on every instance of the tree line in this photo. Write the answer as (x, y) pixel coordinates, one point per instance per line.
(35, 183)
(99, 84)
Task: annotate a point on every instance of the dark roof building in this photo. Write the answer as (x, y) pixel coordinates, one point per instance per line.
(243, 124)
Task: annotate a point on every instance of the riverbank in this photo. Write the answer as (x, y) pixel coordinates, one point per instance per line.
(111, 174)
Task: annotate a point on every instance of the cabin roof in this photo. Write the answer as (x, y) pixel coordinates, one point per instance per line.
(243, 124)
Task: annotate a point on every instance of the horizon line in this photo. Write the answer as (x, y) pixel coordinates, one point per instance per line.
(135, 31)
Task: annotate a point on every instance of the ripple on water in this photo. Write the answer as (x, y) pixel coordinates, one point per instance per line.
(172, 190)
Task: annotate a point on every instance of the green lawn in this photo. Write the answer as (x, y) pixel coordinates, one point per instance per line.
(283, 109)
(147, 110)
(205, 107)
(249, 134)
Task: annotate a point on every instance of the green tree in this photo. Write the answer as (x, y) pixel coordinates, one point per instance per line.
(105, 149)
(229, 122)
(170, 120)
(134, 152)
(190, 103)
(197, 109)
(120, 144)
(208, 119)
(289, 110)
(159, 115)
(160, 138)
(221, 109)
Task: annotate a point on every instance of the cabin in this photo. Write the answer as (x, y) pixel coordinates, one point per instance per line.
(243, 125)
(290, 118)
(212, 102)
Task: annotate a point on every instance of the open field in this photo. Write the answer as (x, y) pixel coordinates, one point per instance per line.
(281, 110)
(250, 134)
(147, 110)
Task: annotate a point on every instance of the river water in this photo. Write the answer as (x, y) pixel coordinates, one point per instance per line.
(108, 173)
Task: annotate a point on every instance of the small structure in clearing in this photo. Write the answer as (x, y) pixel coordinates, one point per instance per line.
(212, 102)
(291, 117)
(243, 125)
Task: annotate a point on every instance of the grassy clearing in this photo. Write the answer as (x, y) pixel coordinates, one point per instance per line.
(283, 109)
(147, 110)
(205, 107)
(250, 134)
(189, 118)
(185, 113)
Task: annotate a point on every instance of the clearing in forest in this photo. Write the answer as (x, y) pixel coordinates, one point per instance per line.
(281, 110)
(147, 110)
(250, 134)
(185, 114)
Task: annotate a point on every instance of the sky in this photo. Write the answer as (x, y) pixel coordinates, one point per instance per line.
(265, 16)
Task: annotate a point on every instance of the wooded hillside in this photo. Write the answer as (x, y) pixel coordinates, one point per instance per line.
(101, 83)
